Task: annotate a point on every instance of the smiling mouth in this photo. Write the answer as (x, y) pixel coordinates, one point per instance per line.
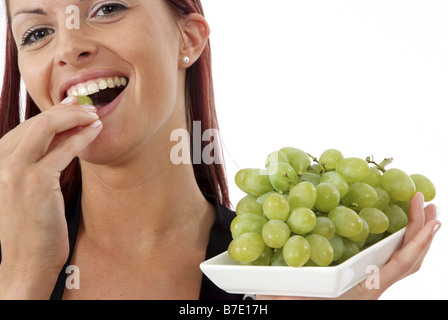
(102, 91)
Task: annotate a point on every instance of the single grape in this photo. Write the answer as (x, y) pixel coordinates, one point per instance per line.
(275, 206)
(247, 222)
(324, 226)
(374, 177)
(275, 233)
(362, 236)
(346, 221)
(350, 249)
(264, 259)
(359, 196)
(328, 197)
(383, 198)
(298, 159)
(301, 220)
(321, 249)
(84, 100)
(330, 158)
(274, 158)
(302, 195)
(247, 247)
(376, 219)
(310, 177)
(277, 258)
(254, 182)
(249, 204)
(296, 251)
(334, 178)
(398, 185)
(397, 218)
(284, 178)
(425, 186)
(353, 169)
(338, 246)
(239, 179)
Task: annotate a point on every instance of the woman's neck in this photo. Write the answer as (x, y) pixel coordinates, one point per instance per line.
(142, 203)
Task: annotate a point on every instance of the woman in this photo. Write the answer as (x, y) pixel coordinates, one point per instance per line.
(141, 225)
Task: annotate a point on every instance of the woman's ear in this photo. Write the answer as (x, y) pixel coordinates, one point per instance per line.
(194, 37)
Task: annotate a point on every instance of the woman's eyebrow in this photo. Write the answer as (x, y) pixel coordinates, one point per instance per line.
(30, 11)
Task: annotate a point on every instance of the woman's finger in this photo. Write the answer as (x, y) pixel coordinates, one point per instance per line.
(61, 156)
(416, 217)
(42, 129)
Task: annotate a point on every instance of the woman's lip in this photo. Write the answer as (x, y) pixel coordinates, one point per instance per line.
(107, 109)
(86, 76)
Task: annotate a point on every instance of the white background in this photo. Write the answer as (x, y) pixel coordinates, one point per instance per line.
(366, 77)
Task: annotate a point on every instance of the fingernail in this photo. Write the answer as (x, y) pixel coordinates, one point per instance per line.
(96, 124)
(88, 107)
(68, 100)
(436, 229)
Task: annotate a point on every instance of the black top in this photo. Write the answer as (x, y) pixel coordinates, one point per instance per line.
(220, 237)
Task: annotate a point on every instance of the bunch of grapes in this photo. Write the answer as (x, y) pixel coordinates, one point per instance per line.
(301, 210)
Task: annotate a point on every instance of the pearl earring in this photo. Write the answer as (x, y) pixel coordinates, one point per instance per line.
(186, 60)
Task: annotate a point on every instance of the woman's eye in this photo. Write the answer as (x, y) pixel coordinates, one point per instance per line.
(110, 9)
(35, 35)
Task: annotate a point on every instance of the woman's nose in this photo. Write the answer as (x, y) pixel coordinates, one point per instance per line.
(74, 48)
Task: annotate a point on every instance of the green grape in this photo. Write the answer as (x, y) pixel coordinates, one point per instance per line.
(338, 246)
(301, 220)
(247, 247)
(359, 196)
(284, 178)
(376, 219)
(302, 195)
(374, 238)
(264, 259)
(398, 185)
(334, 178)
(324, 226)
(310, 177)
(298, 159)
(404, 205)
(254, 182)
(362, 236)
(296, 251)
(275, 206)
(275, 233)
(425, 186)
(330, 158)
(249, 204)
(353, 169)
(383, 199)
(397, 218)
(350, 249)
(277, 258)
(328, 197)
(374, 177)
(321, 249)
(346, 221)
(247, 222)
(274, 158)
(84, 100)
(239, 179)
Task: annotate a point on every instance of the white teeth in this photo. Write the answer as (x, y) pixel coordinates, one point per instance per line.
(94, 86)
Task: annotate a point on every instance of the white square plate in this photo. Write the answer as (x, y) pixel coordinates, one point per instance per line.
(324, 282)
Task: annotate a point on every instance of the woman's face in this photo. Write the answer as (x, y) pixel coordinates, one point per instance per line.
(128, 50)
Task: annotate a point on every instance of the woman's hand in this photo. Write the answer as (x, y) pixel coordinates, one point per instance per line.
(33, 229)
(405, 261)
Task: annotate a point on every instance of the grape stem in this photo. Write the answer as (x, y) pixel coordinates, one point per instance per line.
(382, 165)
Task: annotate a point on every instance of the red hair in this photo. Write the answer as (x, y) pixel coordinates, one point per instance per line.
(200, 105)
